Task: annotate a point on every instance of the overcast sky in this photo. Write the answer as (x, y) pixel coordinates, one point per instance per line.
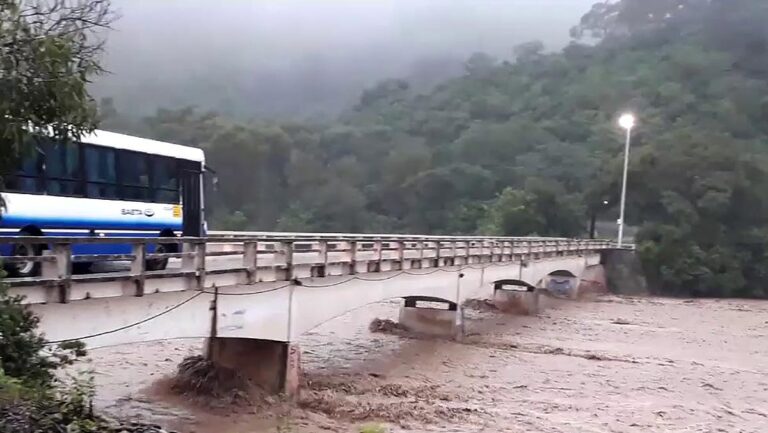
(176, 52)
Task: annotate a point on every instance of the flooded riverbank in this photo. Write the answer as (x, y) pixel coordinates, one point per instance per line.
(609, 365)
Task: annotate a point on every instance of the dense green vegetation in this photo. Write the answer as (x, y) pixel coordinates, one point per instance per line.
(32, 398)
(531, 147)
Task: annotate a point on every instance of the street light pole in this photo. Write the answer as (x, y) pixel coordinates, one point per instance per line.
(627, 121)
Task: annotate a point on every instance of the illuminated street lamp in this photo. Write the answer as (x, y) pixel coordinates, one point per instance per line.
(626, 121)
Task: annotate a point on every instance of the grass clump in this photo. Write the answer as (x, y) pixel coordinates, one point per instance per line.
(373, 428)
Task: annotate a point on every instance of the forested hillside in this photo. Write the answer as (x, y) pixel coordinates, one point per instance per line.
(531, 147)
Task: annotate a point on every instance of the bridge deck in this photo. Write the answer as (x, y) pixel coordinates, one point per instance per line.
(272, 288)
(232, 259)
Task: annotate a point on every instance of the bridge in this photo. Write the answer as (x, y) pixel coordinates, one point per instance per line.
(252, 294)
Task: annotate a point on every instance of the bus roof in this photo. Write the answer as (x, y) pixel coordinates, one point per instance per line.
(143, 145)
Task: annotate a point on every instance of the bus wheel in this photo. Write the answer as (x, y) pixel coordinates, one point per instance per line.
(159, 264)
(82, 267)
(25, 269)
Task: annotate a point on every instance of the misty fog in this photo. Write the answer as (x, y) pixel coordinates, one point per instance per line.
(305, 58)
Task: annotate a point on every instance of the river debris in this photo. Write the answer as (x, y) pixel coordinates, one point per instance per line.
(400, 412)
(481, 305)
(366, 385)
(365, 399)
(386, 326)
(209, 384)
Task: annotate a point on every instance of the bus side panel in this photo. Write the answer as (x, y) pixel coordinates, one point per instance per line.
(81, 217)
(112, 248)
(79, 249)
(67, 213)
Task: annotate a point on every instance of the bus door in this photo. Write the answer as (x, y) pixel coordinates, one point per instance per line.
(192, 199)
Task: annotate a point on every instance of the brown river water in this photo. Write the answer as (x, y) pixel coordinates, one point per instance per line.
(612, 364)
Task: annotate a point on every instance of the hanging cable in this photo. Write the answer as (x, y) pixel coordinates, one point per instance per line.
(132, 325)
(292, 282)
(274, 289)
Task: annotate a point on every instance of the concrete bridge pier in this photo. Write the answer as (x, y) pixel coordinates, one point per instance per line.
(445, 322)
(516, 297)
(593, 282)
(274, 366)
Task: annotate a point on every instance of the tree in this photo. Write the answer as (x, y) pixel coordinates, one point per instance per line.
(232, 221)
(528, 51)
(480, 64)
(705, 232)
(612, 18)
(435, 196)
(49, 51)
(542, 208)
(24, 353)
(387, 92)
(495, 147)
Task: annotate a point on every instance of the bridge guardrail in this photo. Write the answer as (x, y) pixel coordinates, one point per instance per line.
(263, 258)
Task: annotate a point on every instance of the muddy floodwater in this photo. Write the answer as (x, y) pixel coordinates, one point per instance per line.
(607, 365)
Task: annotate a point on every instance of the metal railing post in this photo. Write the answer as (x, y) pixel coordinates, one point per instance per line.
(138, 267)
(61, 271)
(353, 257)
(401, 254)
(194, 263)
(323, 247)
(467, 252)
(377, 247)
(287, 248)
(251, 260)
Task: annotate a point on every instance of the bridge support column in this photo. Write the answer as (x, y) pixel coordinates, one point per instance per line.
(593, 282)
(272, 365)
(440, 322)
(517, 301)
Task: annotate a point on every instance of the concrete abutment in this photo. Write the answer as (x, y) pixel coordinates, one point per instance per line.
(523, 301)
(593, 282)
(445, 322)
(274, 366)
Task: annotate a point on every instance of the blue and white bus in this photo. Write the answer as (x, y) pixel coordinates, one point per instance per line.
(106, 185)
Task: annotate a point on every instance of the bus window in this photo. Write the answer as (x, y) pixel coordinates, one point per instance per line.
(101, 170)
(62, 168)
(165, 181)
(27, 177)
(133, 171)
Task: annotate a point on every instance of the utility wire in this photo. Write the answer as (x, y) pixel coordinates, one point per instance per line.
(122, 328)
(296, 282)
(274, 289)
